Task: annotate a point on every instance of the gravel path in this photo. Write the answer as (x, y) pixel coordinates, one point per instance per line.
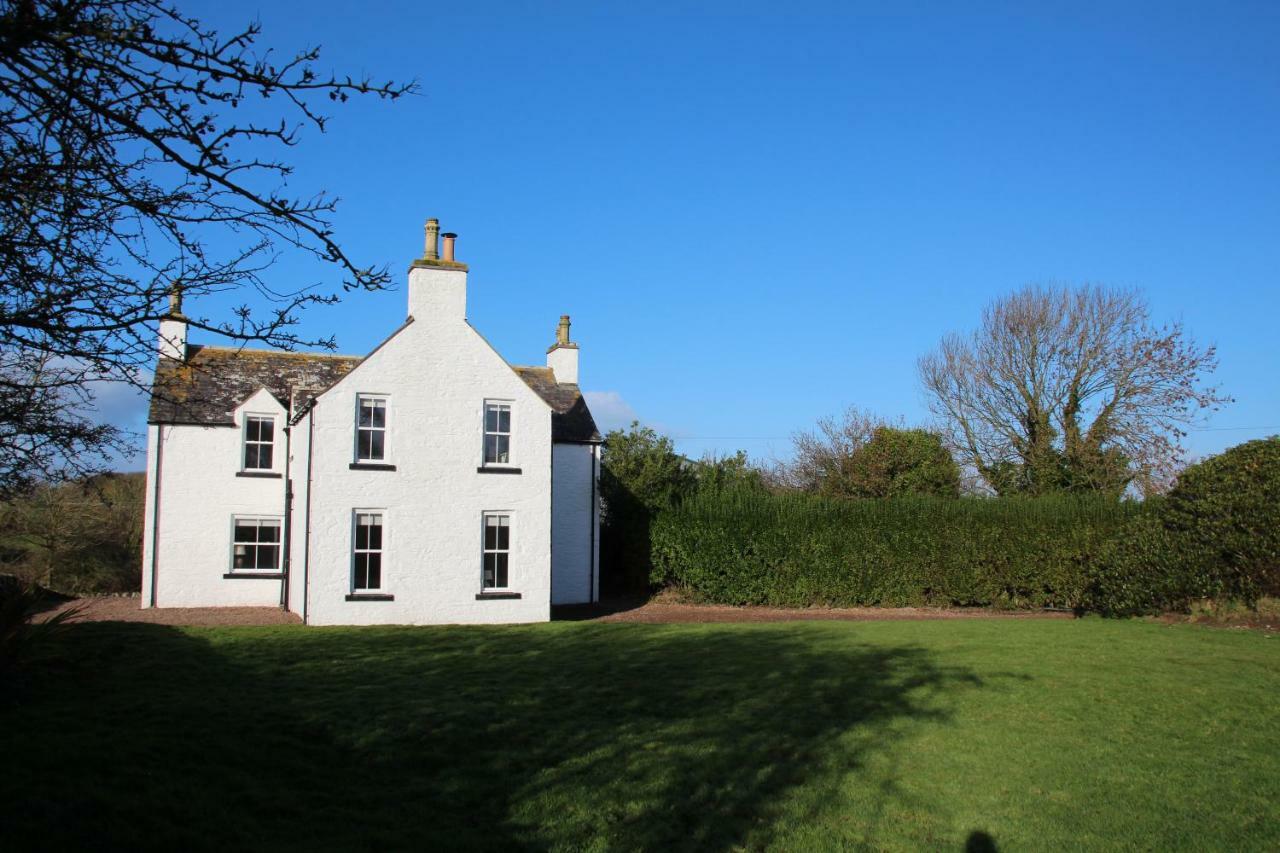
(115, 609)
(662, 611)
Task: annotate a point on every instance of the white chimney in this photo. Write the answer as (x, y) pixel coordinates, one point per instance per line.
(173, 329)
(437, 286)
(562, 357)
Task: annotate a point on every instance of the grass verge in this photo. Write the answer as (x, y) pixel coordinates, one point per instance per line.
(1025, 735)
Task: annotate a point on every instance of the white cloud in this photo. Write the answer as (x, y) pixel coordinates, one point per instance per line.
(610, 410)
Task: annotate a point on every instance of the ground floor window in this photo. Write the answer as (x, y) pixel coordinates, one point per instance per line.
(497, 550)
(256, 545)
(367, 553)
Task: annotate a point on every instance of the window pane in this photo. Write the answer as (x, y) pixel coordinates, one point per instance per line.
(490, 418)
(490, 448)
(378, 415)
(362, 534)
(264, 456)
(268, 556)
(375, 444)
(375, 572)
(501, 561)
(375, 536)
(504, 534)
(251, 429)
(246, 531)
(242, 558)
(490, 564)
(251, 456)
(266, 429)
(361, 579)
(490, 533)
(269, 531)
(504, 419)
(366, 413)
(504, 452)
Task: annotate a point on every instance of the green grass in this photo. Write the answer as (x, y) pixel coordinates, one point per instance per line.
(1026, 734)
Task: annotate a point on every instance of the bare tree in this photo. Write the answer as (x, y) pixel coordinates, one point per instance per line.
(125, 174)
(1070, 389)
(819, 454)
(859, 455)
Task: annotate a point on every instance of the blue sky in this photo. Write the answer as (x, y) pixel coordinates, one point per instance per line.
(758, 214)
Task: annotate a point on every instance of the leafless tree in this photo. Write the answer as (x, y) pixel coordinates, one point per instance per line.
(125, 173)
(1070, 389)
(818, 454)
(860, 455)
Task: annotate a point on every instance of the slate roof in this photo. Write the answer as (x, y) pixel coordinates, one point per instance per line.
(570, 418)
(213, 381)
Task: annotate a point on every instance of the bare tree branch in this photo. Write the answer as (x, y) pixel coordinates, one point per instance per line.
(1064, 389)
(125, 172)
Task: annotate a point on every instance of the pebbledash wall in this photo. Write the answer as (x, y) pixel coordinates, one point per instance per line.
(432, 489)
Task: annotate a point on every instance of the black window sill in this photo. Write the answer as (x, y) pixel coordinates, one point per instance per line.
(495, 469)
(371, 466)
(370, 596)
(266, 474)
(270, 576)
(496, 596)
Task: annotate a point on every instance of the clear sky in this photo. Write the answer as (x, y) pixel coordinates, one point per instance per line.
(758, 214)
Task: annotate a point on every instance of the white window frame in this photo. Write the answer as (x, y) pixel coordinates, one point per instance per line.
(236, 521)
(485, 433)
(485, 550)
(381, 552)
(385, 428)
(244, 439)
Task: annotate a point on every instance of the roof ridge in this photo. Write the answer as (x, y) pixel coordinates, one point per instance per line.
(284, 352)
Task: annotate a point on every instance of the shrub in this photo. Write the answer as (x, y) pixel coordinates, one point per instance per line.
(640, 474)
(739, 547)
(20, 637)
(1217, 535)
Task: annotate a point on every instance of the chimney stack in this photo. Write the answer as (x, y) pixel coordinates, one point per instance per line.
(562, 356)
(173, 328)
(437, 286)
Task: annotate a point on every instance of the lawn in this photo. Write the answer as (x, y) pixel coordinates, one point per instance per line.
(898, 735)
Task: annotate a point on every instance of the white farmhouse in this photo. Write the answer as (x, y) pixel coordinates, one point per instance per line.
(428, 482)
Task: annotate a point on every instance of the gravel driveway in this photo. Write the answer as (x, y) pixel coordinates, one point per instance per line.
(115, 609)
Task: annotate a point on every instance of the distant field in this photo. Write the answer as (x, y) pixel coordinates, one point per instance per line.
(898, 735)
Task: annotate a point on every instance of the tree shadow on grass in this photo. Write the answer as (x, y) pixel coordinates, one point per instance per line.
(544, 737)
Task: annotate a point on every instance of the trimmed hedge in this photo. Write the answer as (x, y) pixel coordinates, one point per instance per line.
(797, 550)
(1217, 535)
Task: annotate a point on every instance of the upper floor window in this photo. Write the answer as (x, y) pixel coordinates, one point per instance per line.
(497, 550)
(497, 433)
(371, 429)
(259, 442)
(256, 545)
(366, 553)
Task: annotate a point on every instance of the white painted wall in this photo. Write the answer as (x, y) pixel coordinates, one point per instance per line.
(173, 338)
(563, 361)
(574, 534)
(437, 373)
(299, 445)
(200, 494)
